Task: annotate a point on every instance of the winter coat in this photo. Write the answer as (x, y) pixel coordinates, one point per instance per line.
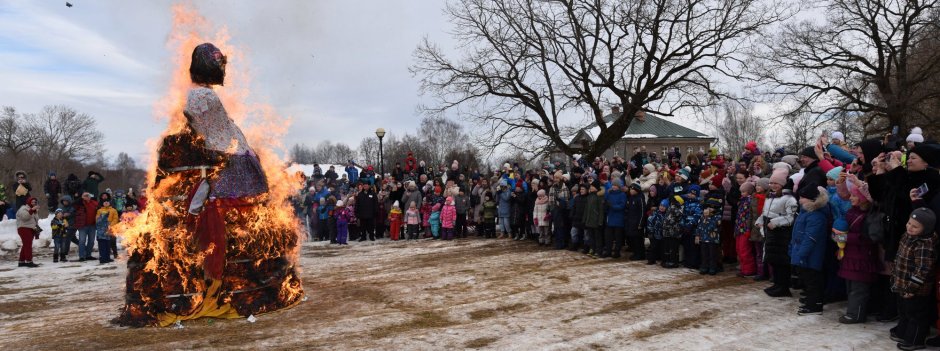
(89, 209)
(435, 222)
(395, 218)
(412, 217)
(505, 207)
(654, 225)
(808, 242)
(520, 210)
(489, 211)
(708, 227)
(59, 227)
(615, 204)
(113, 218)
(26, 218)
(411, 196)
(352, 173)
(426, 214)
(914, 265)
(91, 184)
(757, 206)
(860, 262)
(52, 187)
(634, 211)
(743, 219)
(691, 215)
(891, 190)
(344, 215)
(448, 216)
(73, 186)
(325, 212)
(780, 211)
(21, 192)
(367, 204)
(594, 210)
(577, 210)
(462, 203)
(647, 181)
(671, 220)
(540, 213)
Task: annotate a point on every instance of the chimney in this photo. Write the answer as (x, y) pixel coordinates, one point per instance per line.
(615, 109)
(640, 116)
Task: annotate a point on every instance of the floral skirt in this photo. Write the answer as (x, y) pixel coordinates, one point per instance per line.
(241, 177)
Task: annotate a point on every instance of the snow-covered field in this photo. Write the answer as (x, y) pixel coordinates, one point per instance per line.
(433, 295)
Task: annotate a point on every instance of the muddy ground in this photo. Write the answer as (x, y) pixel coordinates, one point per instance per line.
(426, 295)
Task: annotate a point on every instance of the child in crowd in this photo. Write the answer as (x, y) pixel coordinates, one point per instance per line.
(413, 220)
(343, 215)
(394, 221)
(913, 280)
(577, 216)
(860, 264)
(744, 221)
(808, 245)
(489, 216)
(323, 216)
(654, 231)
(426, 210)
(671, 232)
(448, 218)
(60, 236)
(330, 210)
(691, 217)
(540, 217)
(594, 219)
(107, 218)
(706, 235)
(435, 221)
(757, 232)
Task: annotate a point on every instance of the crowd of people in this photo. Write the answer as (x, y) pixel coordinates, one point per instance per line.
(837, 221)
(81, 215)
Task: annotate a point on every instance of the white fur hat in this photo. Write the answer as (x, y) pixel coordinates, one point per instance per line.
(838, 136)
(339, 203)
(916, 136)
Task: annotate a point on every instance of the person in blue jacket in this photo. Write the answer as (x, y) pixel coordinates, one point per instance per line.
(352, 172)
(615, 203)
(635, 208)
(691, 216)
(808, 245)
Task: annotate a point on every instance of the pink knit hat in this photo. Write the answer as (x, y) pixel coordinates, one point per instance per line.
(779, 176)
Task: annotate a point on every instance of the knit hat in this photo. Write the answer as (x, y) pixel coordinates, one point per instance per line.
(751, 145)
(339, 203)
(747, 187)
(916, 136)
(694, 189)
(541, 192)
(838, 136)
(834, 173)
(684, 174)
(779, 176)
(650, 168)
(636, 186)
(809, 192)
(395, 204)
(449, 200)
(926, 218)
(764, 183)
(930, 153)
(809, 152)
(617, 182)
(664, 203)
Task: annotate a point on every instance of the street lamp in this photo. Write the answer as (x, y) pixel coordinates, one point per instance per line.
(381, 133)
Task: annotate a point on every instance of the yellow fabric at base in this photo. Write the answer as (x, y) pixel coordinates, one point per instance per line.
(208, 308)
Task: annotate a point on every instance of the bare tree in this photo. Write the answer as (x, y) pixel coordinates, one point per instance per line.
(735, 124)
(800, 129)
(343, 153)
(860, 59)
(441, 136)
(532, 65)
(63, 134)
(369, 150)
(17, 135)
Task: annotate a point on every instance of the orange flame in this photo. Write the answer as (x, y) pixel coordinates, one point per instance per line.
(271, 231)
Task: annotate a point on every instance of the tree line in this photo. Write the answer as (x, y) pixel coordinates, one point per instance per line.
(534, 73)
(60, 139)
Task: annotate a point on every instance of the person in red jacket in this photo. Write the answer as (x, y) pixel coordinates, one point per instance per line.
(411, 164)
(85, 211)
(395, 219)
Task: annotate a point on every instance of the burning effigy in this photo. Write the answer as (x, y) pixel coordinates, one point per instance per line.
(217, 238)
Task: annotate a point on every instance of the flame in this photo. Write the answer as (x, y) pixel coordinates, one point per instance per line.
(265, 236)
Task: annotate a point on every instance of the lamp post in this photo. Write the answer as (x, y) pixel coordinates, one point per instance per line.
(381, 133)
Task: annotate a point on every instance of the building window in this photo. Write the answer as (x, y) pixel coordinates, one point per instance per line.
(701, 149)
(665, 150)
(688, 150)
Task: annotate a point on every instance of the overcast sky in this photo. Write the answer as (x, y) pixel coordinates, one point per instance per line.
(339, 68)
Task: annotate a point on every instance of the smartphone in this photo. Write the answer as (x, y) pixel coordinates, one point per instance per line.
(894, 130)
(922, 190)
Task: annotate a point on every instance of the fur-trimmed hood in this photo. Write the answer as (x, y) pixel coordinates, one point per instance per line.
(821, 201)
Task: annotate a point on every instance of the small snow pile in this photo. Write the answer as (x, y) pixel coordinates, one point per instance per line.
(10, 240)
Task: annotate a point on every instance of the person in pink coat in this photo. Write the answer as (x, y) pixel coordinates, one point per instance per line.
(448, 218)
